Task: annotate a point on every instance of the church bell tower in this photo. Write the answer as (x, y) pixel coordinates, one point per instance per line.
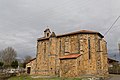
(47, 33)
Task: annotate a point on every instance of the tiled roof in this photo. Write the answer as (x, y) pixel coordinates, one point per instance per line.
(81, 32)
(88, 31)
(30, 60)
(70, 56)
(73, 33)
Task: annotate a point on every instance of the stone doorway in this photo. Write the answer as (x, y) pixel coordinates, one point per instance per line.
(28, 70)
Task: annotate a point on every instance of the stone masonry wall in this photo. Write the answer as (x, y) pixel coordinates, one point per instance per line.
(92, 61)
(68, 68)
(32, 64)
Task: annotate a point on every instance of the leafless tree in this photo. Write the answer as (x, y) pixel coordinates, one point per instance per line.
(27, 58)
(8, 55)
(1, 56)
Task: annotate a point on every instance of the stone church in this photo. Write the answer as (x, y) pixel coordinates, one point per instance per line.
(73, 54)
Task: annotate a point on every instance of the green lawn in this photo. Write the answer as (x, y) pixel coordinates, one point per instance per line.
(29, 78)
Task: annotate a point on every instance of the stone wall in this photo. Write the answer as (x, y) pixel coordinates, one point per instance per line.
(32, 65)
(92, 61)
(42, 66)
(68, 68)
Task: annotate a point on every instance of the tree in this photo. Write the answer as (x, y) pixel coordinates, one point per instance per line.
(1, 64)
(24, 65)
(14, 64)
(8, 55)
(1, 55)
(27, 58)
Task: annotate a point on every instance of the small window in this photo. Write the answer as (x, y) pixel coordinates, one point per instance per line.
(44, 47)
(47, 34)
(44, 50)
(89, 47)
(99, 49)
(60, 45)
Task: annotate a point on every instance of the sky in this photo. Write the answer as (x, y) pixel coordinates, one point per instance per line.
(23, 21)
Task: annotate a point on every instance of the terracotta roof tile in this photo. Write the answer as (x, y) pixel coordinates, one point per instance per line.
(70, 56)
(81, 32)
(30, 60)
(73, 33)
(88, 31)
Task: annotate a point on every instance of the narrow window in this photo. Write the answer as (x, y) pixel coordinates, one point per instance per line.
(89, 47)
(99, 45)
(44, 49)
(60, 45)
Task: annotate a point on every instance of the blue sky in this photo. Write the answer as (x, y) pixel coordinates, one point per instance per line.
(23, 21)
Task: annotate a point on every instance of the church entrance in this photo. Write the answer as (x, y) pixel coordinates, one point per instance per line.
(28, 70)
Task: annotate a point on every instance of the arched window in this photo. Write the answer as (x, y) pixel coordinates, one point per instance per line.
(47, 34)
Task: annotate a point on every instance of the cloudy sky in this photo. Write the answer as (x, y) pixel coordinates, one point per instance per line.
(23, 21)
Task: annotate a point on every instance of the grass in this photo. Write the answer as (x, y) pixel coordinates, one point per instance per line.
(23, 77)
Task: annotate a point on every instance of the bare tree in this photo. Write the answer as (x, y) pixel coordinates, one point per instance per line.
(8, 55)
(27, 58)
(1, 56)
